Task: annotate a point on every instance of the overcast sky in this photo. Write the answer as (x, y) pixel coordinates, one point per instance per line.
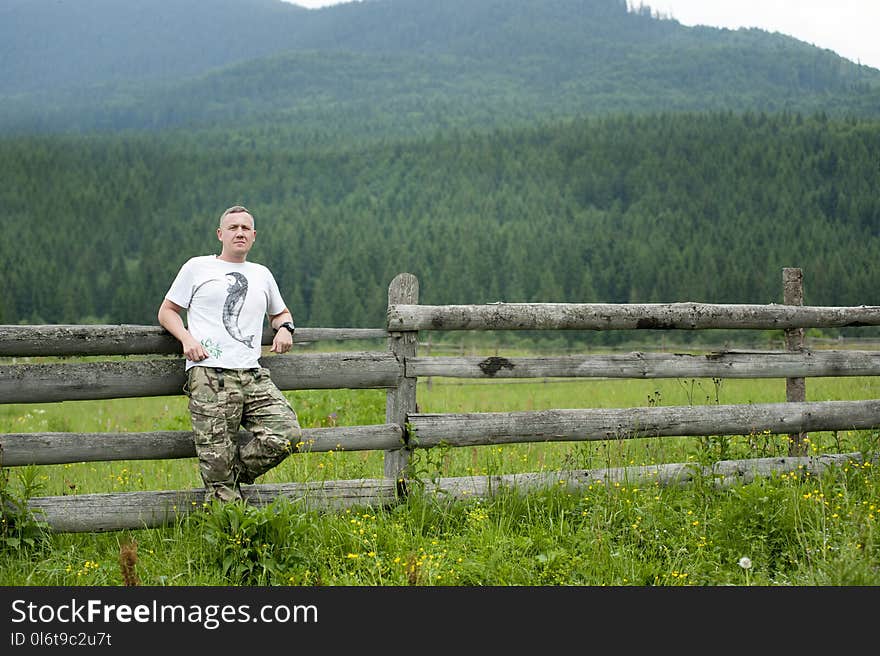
(851, 28)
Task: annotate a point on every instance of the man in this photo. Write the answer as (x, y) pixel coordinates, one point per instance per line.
(226, 298)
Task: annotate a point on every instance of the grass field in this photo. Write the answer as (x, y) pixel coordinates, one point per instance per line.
(789, 530)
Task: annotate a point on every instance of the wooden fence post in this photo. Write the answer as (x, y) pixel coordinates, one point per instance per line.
(401, 400)
(795, 388)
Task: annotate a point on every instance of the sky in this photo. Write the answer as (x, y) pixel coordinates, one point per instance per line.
(848, 27)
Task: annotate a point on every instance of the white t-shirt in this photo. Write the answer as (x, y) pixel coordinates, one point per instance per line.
(226, 304)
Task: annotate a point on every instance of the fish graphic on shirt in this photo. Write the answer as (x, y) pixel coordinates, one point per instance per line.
(238, 288)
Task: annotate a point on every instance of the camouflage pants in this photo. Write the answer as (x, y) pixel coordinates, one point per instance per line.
(220, 402)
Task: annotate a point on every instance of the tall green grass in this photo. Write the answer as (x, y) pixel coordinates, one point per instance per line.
(794, 530)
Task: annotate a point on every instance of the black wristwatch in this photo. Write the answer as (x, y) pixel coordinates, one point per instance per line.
(287, 324)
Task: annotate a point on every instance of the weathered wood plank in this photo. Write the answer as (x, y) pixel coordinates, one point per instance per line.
(340, 370)
(724, 364)
(470, 429)
(796, 386)
(18, 449)
(474, 429)
(66, 339)
(153, 509)
(125, 339)
(73, 381)
(721, 474)
(628, 316)
(400, 400)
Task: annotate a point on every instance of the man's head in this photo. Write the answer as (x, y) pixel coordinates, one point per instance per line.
(237, 233)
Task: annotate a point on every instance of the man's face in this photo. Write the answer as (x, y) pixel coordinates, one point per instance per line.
(237, 233)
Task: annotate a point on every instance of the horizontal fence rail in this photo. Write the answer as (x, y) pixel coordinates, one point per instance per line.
(721, 474)
(74, 381)
(54, 448)
(427, 430)
(152, 509)
(125, 339)
(724, 364)
(469, 429)
(630, 316)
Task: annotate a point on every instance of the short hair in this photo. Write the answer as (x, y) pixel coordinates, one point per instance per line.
(234, 210)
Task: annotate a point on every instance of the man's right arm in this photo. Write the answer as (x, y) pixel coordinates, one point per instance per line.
(171, 320)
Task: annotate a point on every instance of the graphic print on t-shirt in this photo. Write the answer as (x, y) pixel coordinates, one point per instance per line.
(238, 287)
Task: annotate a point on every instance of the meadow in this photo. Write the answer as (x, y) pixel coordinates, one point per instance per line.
(784, 530)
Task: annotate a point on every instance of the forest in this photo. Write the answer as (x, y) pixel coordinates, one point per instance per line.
(705, 207)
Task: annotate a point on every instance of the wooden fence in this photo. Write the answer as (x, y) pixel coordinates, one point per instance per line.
(397, 370)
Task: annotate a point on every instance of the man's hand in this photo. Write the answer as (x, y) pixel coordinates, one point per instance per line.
(193, 350)
(283, 341)
(171, 320)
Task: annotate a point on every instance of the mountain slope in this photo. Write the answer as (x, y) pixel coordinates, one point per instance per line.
(396, 66)
(62, 44)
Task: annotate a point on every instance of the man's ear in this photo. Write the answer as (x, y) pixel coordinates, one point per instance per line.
(219, 234)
